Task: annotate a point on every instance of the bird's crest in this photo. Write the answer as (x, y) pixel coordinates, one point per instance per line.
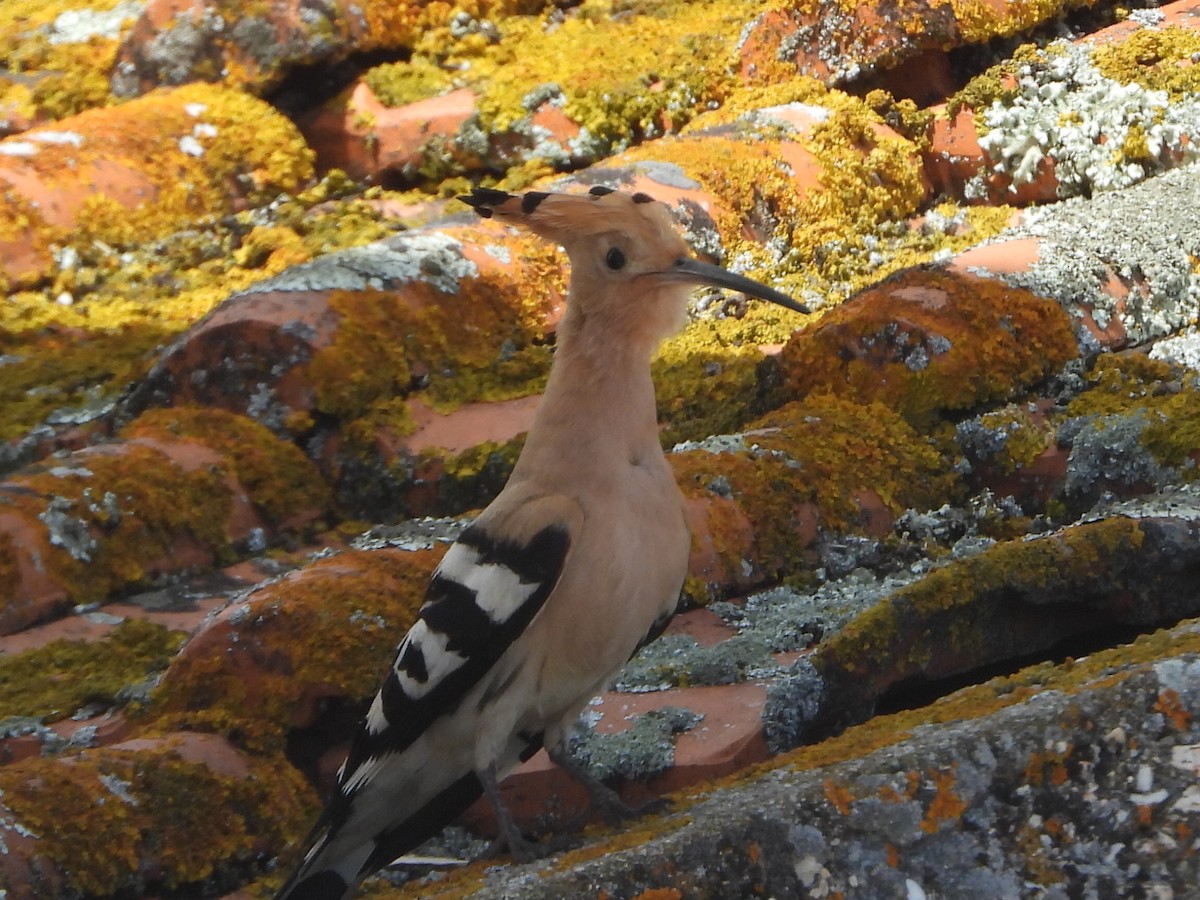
(559, 216)
(619, 229)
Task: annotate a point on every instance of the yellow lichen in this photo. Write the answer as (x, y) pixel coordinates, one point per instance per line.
(828, 231)
(126, 305)
(1023, 441)
(649, 87)
(1135, 384)
(997, 83)
(129, 513)
(481, 342)
(832, 460)
(981, 21)
(400, 83)
(1156, 58)
(59, 78)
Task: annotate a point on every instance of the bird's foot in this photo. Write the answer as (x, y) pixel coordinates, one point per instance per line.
(602, 799)
(510, 841)
(613, 810)
(525, 850)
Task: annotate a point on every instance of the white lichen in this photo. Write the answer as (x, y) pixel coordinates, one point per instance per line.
(76, 26)
(1100, 134)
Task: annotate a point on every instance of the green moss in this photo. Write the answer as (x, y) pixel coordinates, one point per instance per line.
(53, 681)
(280, 480)
(947, 613)
(329, 630)
(129, 823)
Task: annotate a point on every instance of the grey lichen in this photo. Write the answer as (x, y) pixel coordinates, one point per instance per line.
(1183, 349)
(67, 530)
(1146, 236)
(645, 749)
(413, 534)
(77, 26)
(675, 660)
(792, 703)
(430, 256)
(1108, 452)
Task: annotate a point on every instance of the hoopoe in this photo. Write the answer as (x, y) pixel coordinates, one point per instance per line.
(547, 594)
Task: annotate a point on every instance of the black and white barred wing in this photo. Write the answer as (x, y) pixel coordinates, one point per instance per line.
(481, 598)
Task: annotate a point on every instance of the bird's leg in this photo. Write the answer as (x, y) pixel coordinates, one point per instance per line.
(510, 837)
(603, 799)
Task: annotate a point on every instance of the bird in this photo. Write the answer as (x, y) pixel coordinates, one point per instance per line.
(578, 562)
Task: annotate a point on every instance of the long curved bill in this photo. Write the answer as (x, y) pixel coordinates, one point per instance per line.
(687, 269)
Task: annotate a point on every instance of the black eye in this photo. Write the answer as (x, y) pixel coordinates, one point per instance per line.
(615, 259)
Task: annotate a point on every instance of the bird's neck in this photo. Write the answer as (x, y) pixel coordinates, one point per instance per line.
(598, 407)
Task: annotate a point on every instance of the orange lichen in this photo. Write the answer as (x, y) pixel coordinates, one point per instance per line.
(117, 822)
(838, 795)
(1173, 710)
(946, 805)
(280, 480)
(928, 341)
(1049, 766)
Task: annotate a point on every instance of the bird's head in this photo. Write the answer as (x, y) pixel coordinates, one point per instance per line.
(629, 265)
